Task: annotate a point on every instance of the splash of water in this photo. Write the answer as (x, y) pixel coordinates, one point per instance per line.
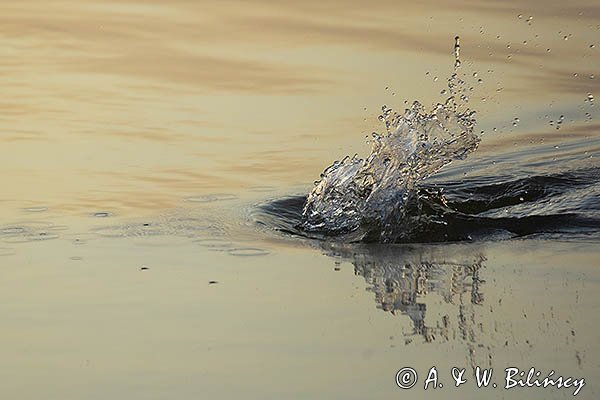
(375, 199)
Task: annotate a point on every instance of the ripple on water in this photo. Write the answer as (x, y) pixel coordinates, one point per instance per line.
(30, 231)
(5, 251)
(80, 238)
(211, 198)
(215, 244)
(168, 225)
(101, 214)
(37, 209)
(31, 237)
(125, 231)
(247, 252)
(261, 189)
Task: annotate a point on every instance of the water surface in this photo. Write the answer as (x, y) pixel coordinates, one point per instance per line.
(155, 162)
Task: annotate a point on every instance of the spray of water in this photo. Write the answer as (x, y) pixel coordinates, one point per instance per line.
(375, 199)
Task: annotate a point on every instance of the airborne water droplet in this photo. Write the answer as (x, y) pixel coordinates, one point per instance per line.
(590, 98)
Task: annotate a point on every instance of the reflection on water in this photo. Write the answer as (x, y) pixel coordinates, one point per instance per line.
(141, 125)
(403, 278)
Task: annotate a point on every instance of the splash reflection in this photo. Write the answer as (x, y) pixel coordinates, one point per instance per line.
(407, 281)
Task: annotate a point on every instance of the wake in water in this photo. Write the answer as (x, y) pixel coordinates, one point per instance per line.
(376, 198)
(397, 194)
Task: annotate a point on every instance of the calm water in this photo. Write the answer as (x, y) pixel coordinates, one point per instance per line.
(156, 158)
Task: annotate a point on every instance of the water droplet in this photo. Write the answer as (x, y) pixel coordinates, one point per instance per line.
(592, 76)
(520, 16)
(435, 78)
(590, 98)
(592, 46)
(457, 52)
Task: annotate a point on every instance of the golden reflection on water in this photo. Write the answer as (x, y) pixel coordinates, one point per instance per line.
(103, 95)
(134, 108)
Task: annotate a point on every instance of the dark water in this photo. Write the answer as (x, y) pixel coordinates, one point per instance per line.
(544, 191)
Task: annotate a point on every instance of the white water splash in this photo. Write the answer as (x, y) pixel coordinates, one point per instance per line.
(374, 197)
